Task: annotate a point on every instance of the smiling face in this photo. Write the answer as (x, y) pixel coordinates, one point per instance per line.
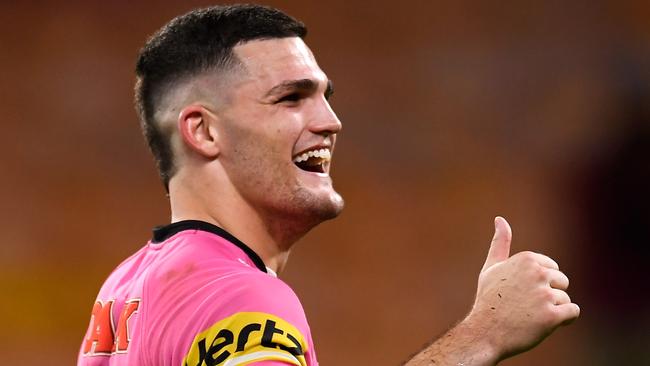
(277, 133)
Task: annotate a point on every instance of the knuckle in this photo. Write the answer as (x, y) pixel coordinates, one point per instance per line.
(562, 297)
(540, 273)
(525, 257)
(528, 255)
(548, 296)
(549, 317)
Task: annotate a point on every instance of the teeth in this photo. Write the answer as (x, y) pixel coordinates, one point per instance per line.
(322, 153)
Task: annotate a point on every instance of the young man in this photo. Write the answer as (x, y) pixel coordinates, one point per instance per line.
(235, 110)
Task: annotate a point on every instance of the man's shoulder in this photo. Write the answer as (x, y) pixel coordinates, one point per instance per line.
(218, 284)
(195, 301)
(214, 278)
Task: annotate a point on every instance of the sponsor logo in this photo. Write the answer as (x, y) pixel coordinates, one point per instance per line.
(102, 337)
(247, 337)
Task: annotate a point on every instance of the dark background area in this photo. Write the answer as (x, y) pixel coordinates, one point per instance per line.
(453, 112)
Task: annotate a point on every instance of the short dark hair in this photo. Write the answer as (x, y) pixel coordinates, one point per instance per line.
(199, 41)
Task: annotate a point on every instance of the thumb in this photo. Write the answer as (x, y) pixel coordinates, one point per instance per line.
(500, 246)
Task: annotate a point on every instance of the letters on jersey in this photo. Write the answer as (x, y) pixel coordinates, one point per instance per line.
(102, 337)
(247, 337)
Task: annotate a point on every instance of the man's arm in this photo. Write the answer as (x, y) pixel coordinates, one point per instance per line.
(520, 301)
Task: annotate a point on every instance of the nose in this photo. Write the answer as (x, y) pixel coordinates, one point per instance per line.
(325, 122)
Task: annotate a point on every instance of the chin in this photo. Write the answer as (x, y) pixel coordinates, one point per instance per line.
(312, 209)
(333, 208)
(302, 212)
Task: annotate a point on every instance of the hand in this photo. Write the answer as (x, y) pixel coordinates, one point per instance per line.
(520, 299)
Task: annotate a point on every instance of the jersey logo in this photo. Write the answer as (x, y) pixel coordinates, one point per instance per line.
(102, 338)
(247, 337)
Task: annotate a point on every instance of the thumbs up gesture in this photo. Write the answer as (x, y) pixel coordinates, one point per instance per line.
(520, 299)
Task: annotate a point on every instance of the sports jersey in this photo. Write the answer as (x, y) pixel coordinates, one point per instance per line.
(196, 295)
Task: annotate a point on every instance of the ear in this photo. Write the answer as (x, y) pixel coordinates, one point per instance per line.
(197, 129)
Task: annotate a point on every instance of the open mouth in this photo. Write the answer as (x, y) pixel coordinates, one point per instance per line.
(313, 160)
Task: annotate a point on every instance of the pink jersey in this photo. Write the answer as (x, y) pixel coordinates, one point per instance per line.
(195, 295)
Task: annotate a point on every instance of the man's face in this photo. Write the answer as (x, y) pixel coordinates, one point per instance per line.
(278, 132)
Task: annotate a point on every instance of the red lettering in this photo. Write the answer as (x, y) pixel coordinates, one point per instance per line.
(122, 336)
(99, 338)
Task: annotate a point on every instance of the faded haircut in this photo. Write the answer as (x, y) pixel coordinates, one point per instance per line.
(189, 45)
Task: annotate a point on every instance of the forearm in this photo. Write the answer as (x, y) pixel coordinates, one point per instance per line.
(463, 345)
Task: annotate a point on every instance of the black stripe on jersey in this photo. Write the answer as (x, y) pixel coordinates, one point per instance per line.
(162, 233)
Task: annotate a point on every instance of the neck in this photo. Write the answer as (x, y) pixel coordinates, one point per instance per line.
(193, 199)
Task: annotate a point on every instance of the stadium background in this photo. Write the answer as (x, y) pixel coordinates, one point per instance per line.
(453, 111)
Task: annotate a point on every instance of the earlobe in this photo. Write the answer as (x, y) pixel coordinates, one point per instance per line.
(196, 127)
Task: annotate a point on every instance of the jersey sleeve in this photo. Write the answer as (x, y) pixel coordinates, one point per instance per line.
(239, 319)
(247, 337)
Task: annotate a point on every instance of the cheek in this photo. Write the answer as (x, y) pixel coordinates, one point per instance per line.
(257, 154)
(266, 137)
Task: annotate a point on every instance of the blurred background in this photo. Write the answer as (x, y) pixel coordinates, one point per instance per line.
(453, 112)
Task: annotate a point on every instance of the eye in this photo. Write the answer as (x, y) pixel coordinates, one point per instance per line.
(330, 90)
(293, 97)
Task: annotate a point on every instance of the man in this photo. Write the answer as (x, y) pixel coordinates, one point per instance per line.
(235, 110)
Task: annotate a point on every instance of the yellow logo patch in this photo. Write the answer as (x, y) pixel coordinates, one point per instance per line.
(247, 337)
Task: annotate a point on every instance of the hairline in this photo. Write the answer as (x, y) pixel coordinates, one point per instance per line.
(232, 65)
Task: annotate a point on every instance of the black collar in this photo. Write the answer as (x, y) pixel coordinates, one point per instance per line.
(162, 233)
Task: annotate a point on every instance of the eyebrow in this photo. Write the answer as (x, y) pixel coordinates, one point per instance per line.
(306, 85)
